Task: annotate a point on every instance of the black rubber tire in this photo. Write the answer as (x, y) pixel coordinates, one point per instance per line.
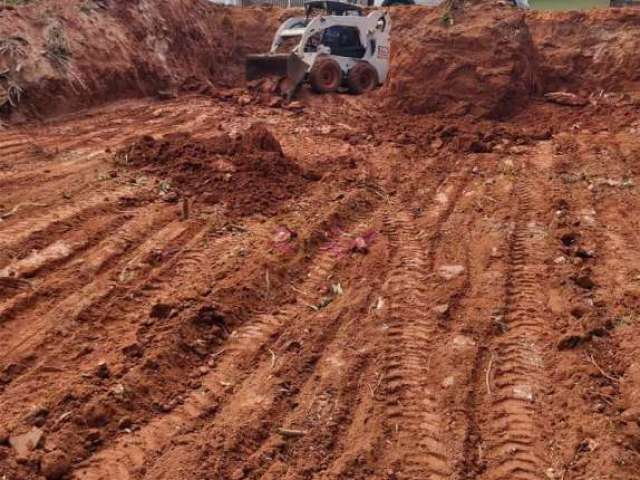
(325, 75)
(362, 78)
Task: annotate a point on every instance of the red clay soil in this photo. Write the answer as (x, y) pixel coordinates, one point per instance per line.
(587, 52)
(60, 55)
(247, 173)
(433, 71)
(451, 296)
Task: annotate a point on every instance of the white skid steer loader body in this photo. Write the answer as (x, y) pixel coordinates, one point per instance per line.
(343, 34)
(373, 32)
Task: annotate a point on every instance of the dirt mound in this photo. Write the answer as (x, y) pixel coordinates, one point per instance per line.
(480, 61)
(586, 52)
(58, 56)
(249, 172)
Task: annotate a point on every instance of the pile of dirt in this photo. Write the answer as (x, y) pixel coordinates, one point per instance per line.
(58, 56)
(480, 61)
(586, 52)
(248, 173)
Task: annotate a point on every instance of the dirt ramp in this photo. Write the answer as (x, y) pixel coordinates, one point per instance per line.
(481, 61)
(247, 173)
(58, 56)
(588, 51)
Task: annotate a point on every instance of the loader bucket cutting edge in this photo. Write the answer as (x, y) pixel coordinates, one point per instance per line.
(267, 65)
(296, 73)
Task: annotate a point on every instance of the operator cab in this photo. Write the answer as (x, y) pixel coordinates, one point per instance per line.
(342, 40)
(331, 7)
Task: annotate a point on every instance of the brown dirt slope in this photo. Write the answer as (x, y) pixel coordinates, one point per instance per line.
(476, 61)
(57, 56)
(590, 51)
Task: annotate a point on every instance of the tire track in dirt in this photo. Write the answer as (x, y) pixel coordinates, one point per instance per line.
(414, 416)
(244, 348)
(47, 183)
(43, 323)
(19, 231)
(602, 341)
(325, 396)
(514, 429)
(20, 273)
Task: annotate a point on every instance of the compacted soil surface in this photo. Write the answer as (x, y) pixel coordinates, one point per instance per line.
(438, 280)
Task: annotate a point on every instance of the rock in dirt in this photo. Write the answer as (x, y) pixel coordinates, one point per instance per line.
(133, 350)
(96, 415)
(449, 272)
(55, 465)
(566, 98)
(160, 310)
(102, 370)
(4, 436)
(441, 309)
(25, 443)
(209, 316)
(570, 341)
(523, 392)
(584, 281)
(124, 423)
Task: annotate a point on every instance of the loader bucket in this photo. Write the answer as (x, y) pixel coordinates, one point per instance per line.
(290, 68)
(296, 73)
(266, 65)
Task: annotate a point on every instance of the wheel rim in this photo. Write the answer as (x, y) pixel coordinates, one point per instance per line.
(328, 76)
(366, 80)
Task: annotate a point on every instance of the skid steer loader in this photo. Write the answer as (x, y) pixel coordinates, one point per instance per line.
(334, 45)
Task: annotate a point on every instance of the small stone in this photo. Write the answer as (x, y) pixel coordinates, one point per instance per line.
(523, 392)
(102, 370)
(170, 197)
(551, 474)
(560, 260)
(462, 341)
(118, 389)
(437, 144)
(449, 272)
(124, 423)
(441, 309)
(449, 381)
(96, 415)
(203, 370)
(38, 415)
(27, 442)
(585, 253)
(570, 341)
(295, 106)
(54, 465)
(4, 436)
(160, 310)
(244, 100)
(133, 351)
(578, 311)
(584, 281)
(94, 436)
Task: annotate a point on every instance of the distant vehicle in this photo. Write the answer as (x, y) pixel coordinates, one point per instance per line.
(624, 3)
(390, 3)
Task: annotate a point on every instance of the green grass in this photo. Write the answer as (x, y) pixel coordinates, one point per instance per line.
(567, 4)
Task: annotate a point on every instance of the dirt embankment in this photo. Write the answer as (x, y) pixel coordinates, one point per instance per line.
(481, 61)
(586, 52)
(59, 56)
(487, 60)
(247, 173)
